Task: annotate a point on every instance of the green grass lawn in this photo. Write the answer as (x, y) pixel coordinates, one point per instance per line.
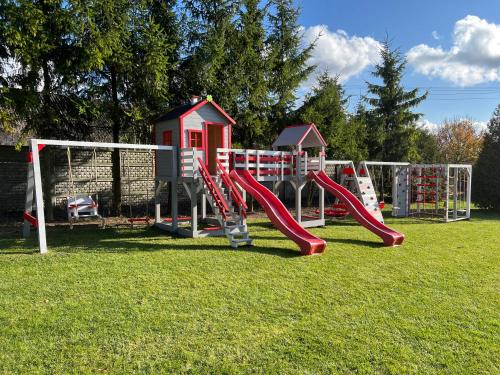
(123, 301)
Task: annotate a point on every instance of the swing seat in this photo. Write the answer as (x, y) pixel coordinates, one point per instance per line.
(381, 205)
(146, 220)
(81, 206)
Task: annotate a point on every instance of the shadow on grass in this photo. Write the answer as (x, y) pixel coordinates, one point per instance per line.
(117, 240)
(353, 241)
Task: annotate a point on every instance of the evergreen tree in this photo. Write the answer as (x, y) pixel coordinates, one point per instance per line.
(209, 32)
(127, 66)
(325, 107)
(289, 60)
(390, 122)
(251, 62)
(427, 146)
(39, 37)
(486, 172)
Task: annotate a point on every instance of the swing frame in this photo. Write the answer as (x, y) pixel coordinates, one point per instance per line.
(89, 207)
(34, 191)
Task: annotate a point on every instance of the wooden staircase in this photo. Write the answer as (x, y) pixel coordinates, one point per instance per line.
(222, 195)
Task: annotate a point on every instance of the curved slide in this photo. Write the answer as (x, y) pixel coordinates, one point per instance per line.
(278, 214)
(357, 210)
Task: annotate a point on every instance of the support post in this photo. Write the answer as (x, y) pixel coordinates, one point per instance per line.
(204, 205)
(28, 205)
(447, 192)
(42, 238)
(321, 203)
(159, 185)
(455, 192)
(298, 202)
(194, 208)
(175, 205)
(395, 197)
(469, 188)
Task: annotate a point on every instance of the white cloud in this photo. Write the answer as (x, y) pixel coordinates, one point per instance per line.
(435, 35)
(339, 53)
(426, 124)
(479, 126)
(474, 57)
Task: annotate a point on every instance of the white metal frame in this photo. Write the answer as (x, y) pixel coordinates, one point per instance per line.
(34, 187)
(399, 176)
(451, 182)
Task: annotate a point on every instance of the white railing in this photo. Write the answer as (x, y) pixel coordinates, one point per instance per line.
(189, 161)
(265, 165)
(269, 165)
(315, 163)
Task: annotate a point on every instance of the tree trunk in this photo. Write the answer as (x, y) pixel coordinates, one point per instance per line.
(47, 131)
(115, 157)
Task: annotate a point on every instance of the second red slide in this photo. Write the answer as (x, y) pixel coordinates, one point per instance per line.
(357, 210)
(278, 214)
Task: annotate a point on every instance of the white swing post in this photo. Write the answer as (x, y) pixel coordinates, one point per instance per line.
(34, 190)
(34, 180)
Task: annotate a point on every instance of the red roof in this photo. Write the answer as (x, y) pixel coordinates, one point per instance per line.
(184, 110)
(296, 134)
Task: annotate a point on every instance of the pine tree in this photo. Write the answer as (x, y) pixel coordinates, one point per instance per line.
(427, 146)
(325, 107)
(390, 122)
(289, 60)
(127, 67)
(39, 36)
(209, 31)
(486, 172)
(252, 67)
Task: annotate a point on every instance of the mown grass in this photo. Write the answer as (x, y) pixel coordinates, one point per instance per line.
(123, 301)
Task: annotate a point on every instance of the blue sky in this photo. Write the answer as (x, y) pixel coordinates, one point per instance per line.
(452, 47)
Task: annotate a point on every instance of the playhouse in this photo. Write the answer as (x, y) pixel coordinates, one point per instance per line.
(192, 153)
(200, 125)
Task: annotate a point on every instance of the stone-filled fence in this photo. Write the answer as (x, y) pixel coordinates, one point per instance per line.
(137, 178)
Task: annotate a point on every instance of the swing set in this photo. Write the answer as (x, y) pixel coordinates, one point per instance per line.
(83, 206)
(78, 206)
(126, 164)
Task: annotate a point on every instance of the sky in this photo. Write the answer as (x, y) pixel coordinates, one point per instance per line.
(452, 48)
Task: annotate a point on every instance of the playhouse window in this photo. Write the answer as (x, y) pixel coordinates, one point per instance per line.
(196, 139)
(167, 138)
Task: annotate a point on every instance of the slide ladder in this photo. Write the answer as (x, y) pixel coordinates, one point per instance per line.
(231, 219)
(278, 214)
(361, 185)
(357, 209)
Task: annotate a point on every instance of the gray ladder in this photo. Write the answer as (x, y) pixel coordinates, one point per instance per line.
(235, 227)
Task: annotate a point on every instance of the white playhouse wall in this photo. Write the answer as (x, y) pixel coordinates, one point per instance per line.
(195, 120)
(164, 160)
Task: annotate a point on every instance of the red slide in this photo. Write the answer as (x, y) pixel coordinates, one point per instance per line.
(357, 210)
(278, 214)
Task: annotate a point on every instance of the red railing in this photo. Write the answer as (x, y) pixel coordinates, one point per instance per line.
(235, 194)
(214, 191)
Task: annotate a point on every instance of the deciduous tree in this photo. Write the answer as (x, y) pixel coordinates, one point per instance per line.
(459, 142)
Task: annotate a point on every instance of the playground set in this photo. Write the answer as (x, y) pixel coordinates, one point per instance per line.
(193, 149)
